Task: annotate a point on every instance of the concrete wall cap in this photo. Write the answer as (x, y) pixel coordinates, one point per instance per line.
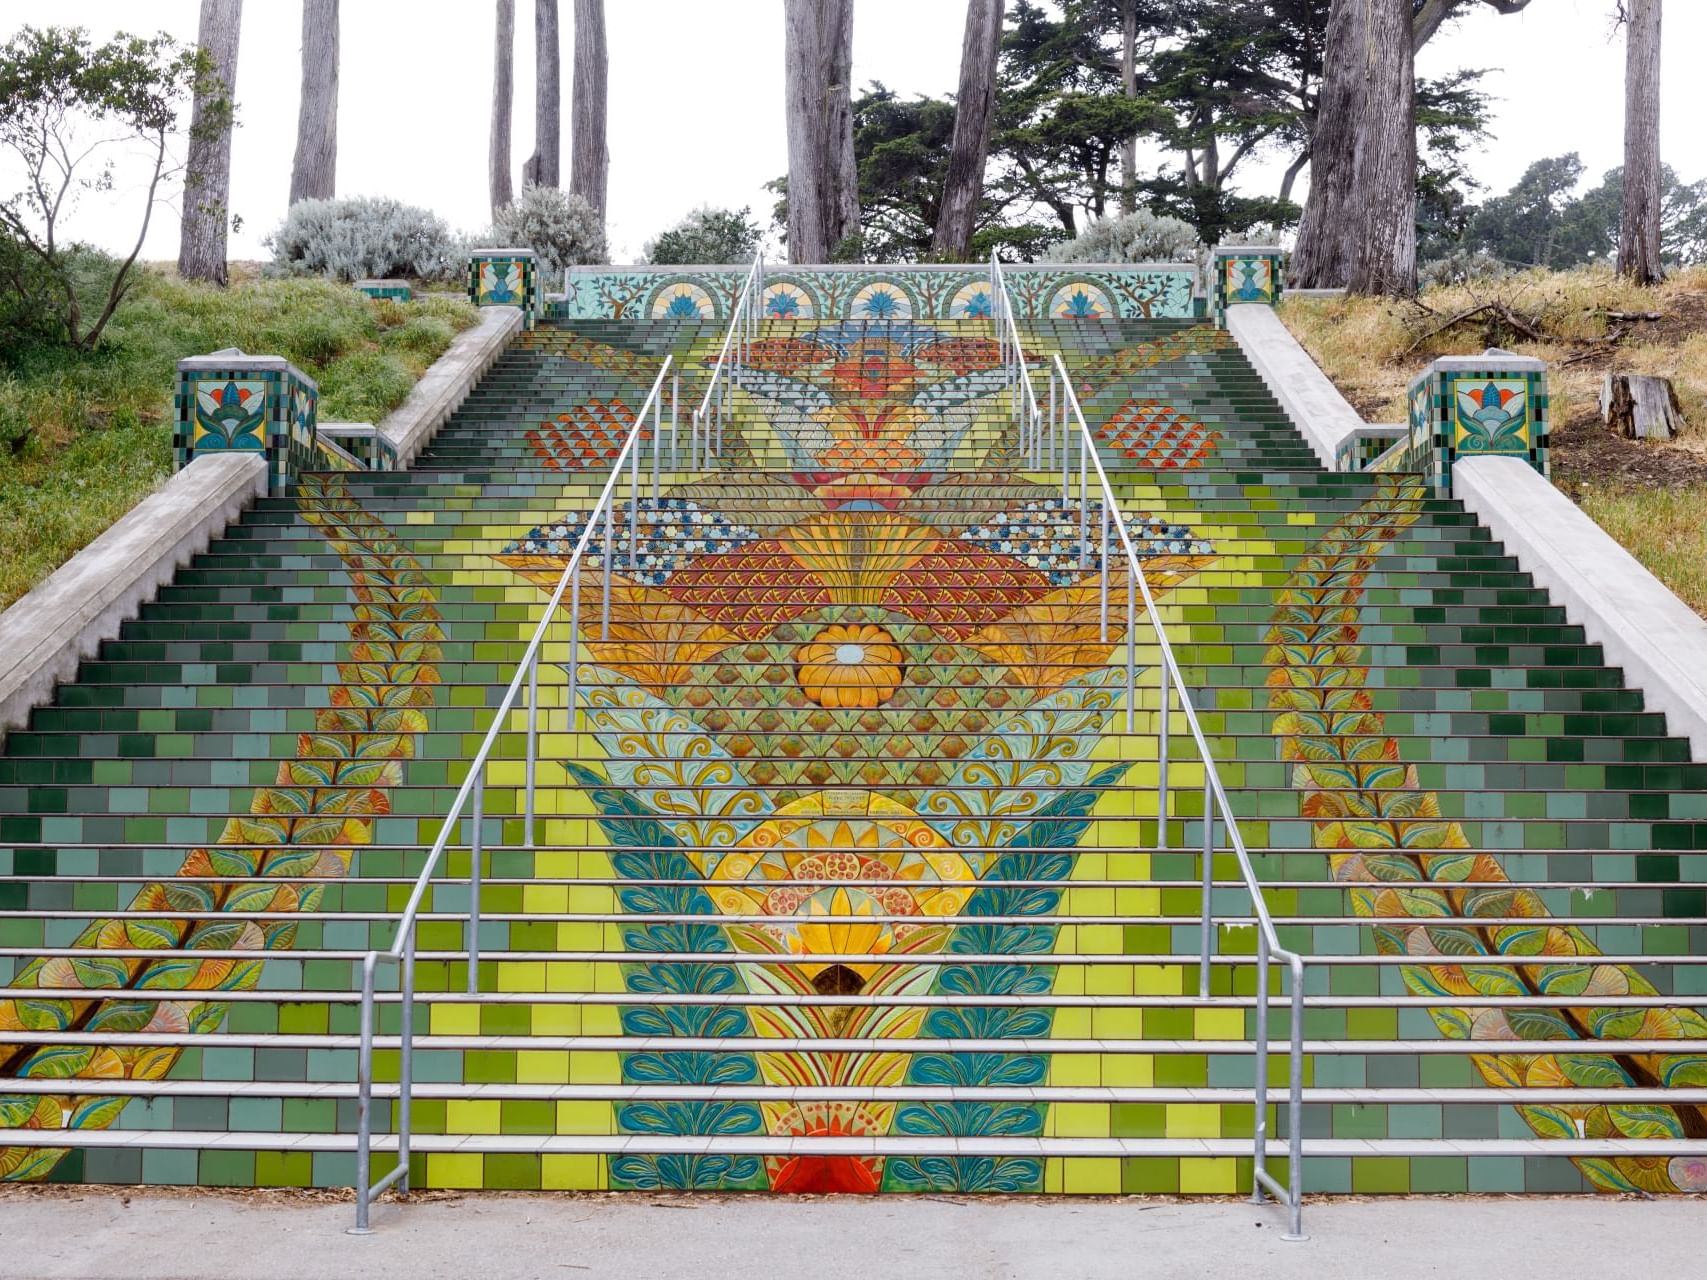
(234, 359)
(501, 251)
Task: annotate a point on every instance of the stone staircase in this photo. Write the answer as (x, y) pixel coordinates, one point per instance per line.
(848, 875)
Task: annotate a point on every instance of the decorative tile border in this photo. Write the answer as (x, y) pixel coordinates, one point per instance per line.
(505, 278)
(1494, 405)
(232, 402)
(877, 294)
(1245, 275)
(396, 290)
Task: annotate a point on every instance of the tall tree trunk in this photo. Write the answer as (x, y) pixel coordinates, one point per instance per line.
(544, 166)
(840, 186)
(207, 178)
(1129, 86)
(503, 95)
(823, 184)
(1639, 228)
(805, 131)
(1359, 227)
(314, 175)
(589, 156)
(974, 112)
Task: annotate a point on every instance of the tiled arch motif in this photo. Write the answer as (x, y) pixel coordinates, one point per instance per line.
(890, 293)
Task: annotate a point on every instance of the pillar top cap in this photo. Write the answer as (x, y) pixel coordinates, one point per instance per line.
(236, 360)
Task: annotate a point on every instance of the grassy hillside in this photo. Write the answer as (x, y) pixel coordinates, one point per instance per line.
(1651, 496)
(84, 437)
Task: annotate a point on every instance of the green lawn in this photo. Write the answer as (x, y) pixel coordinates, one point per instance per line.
(1666, 529)
(85, 436)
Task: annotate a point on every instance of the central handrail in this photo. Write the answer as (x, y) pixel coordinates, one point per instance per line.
(1038, 442)
(737, 346)
(1215, 801)
(472, 795)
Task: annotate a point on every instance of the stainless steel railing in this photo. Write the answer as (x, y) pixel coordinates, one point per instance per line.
(1171, 682)
(708, 418)
(1041, 441)
(471, 796)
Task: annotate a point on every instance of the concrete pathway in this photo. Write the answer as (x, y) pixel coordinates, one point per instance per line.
(61, 1233)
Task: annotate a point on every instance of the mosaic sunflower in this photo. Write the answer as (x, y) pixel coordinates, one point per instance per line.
(849, 667)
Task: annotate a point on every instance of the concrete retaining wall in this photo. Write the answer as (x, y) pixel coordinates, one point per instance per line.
(409, 427)
(1657, 639)
(46, 634)
(1317, 409)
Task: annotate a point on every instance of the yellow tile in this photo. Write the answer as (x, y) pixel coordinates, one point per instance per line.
(467, 1115)
(582, 936)
(1138, 902)
(1218, 1024)
(572, 1173)
(520, 975)
(586, 1117)
(1100, 939)
(1074, 1069)
(1109, 979)
(542, 1066)
(1072, 1023)
(1192, 1120)
(1199, 1176)
(1117, 1024)
(455, 1019)
(557, 1019)
(1157, 980)
(449, 1169)
(569, 975)
(601, 1020)
(1089, 1177)
(1128, 1070)
(1080, 1119)
(595, 1068)
(545, 899)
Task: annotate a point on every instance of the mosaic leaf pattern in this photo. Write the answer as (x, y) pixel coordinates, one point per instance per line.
(1367, 807)
(305, 825)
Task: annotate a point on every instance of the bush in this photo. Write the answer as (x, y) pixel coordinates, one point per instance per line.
(1137, 237)
(364, 237)
(1462, 267)
(708, 236)
(562, 229)
(32, 294)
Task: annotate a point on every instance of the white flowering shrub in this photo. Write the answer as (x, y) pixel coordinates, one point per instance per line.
(365, 237)
(1137, 237)
(562, 229)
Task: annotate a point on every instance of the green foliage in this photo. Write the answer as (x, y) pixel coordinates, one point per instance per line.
(363, 238)
(561, 228)
(84, 435)
(1544, 220)
(67, 107)
(1136, 237)
(708, 236)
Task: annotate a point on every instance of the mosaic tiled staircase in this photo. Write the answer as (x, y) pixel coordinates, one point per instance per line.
(847, 876)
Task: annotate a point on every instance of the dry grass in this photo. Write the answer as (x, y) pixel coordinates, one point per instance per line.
(1371, 348)
(1652, 497)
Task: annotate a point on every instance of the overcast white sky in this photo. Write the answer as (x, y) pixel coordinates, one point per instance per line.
(696, 98)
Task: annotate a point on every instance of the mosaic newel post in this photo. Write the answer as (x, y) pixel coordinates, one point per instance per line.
(1491, 405)
(1243, 274)
(505, 278)
(230, 400)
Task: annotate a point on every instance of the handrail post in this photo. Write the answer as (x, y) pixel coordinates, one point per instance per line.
(533, 747)
(1206, 938)
(1131, 650)
(364, 1100)
(1259, 1153)
(1162, 741)
(634, 500)
(657, 443)
(1084, 507)
(474, 852)
(406, 1058)
(1295, 1109)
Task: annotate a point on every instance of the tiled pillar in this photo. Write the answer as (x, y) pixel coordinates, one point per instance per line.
(260, 404)
(396, 290)
(1245, 273)
(505, 278)
(1491, 405)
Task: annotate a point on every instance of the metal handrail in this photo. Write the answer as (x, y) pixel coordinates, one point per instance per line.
(1215, 801)
(1011, 351)
(743, 330)
(472, 794)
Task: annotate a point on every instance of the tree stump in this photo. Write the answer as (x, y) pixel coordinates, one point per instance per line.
(1641, 407)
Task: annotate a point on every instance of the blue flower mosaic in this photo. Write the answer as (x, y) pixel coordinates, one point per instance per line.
(1045, 536)
(672, 533)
